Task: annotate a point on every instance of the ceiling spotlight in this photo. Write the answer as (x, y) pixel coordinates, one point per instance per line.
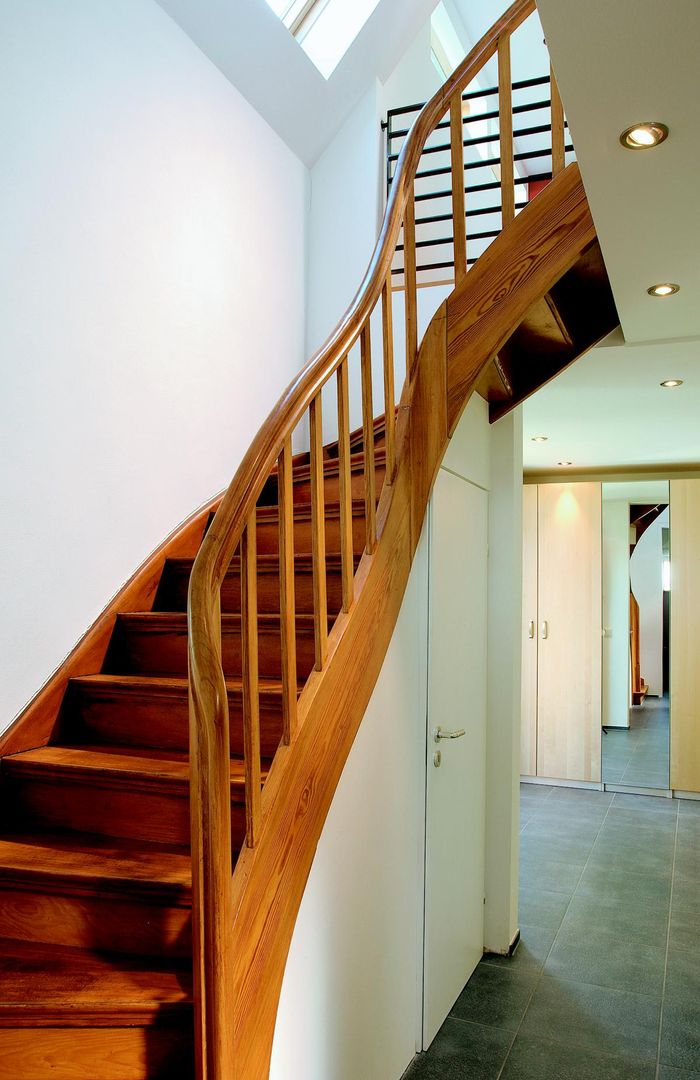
(540, 438)
(671, 383)
(644, 136)
(666, 288)
(565, 463)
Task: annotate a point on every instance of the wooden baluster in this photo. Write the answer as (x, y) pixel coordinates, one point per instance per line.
(347, 557)
(318, 532)
(505, 113)
(409, 275)
(287, 600)
(459, 230)
(558, 152)
(368, 439)
(249, 668)
(389, 406)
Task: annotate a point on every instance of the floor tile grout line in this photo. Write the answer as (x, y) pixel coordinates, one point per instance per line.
(668, 942)
(540, 974)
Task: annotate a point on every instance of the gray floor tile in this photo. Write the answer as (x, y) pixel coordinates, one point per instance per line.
(689, 807)
(462, 1051)
(603, 960)
(646, 804)
(636, 920)
(641, 823)
(557, 877)
(685, 930)
(615, 884)
(682, 977)
(495, 997)
(686, 894)
(531, 953)
(680, 1036)
(646, 862)
(540, 908)
(541, 1059)
(688, 859)
(555, 848)
(582, 797)
(612, 1021)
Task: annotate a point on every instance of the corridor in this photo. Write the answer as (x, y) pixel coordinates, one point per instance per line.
(605, 984)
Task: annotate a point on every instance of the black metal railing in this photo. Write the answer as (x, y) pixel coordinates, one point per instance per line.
(531, 145)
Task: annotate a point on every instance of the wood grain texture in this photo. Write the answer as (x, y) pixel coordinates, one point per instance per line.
(505, 121)
(569, 676)
(409, 278)
(346, 540)
(318, 546)
(685, 634)
(457, 163)
(368, 437)
(287, 593)
(530, 637)
(558, 141)
(389, 389)
(38, 722)
(249, 678)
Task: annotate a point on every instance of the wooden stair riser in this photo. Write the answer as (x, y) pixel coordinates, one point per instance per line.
(172, 595)
(331, 483)
(97, 1052)
(91, 805)
(268, 530)
(158, 645)
(158, 719)
(98, 922)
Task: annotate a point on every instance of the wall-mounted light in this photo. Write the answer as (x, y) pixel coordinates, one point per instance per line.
(669, 384)
(565, 463)
(540, 438)
(644, 136)
(665, 288)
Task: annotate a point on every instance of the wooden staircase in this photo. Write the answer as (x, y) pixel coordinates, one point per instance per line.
(164, 793)
(95, 867)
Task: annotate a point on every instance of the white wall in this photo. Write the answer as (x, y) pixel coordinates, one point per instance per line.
(616, 612)
(645, 572)
(151, 309)
(351, 997)
(349, 1006)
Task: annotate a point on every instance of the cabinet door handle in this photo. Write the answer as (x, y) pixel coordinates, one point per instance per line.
(544, 630)
(531, 628)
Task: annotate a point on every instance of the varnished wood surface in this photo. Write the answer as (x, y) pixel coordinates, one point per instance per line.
(685, 634)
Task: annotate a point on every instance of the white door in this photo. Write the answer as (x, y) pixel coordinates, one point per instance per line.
(454, 884)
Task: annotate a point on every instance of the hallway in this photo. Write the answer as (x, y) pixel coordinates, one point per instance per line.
(638, 756)
(605, 984)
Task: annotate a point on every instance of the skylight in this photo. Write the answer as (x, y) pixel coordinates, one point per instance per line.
(325, 29)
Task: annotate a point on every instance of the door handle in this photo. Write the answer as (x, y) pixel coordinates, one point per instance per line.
(439, 734)
(531, 628)
(544, 630)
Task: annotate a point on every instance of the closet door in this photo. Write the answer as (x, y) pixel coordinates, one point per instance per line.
(569, 672)
(685, 635)
(528, 727)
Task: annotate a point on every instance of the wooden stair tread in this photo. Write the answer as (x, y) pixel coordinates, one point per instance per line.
(302, 511)
(84, 863)
(230, 621)
(268, 562)
(164, 684)
(57, 985)
(123, 766)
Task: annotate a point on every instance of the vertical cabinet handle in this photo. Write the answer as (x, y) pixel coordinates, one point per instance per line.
(531, 628)
(544, 630)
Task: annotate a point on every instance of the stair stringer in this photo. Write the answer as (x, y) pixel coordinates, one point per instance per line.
(521, 265)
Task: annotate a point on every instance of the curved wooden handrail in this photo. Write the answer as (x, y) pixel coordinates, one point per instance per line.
(242, 924)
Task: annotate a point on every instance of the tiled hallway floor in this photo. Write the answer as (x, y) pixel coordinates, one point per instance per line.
(638, 756)
(605, 984)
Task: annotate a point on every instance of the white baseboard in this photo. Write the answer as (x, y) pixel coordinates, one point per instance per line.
(626, 789)
(587, 785)
(694, 796)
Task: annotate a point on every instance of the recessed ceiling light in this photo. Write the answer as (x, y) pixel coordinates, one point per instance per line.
(665, 288)
(644, 136)
(565, 463)
(540, 438)
(671, 383)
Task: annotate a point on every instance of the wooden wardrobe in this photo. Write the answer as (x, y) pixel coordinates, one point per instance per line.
(685, 635)
(562, 631)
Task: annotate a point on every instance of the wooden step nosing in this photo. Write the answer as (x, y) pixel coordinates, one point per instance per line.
(149, 893)
(102, 776)
(53, 1014)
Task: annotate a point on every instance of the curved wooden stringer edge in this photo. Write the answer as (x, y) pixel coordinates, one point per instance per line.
(543, 242)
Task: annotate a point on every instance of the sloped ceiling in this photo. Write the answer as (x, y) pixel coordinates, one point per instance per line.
(256, 52)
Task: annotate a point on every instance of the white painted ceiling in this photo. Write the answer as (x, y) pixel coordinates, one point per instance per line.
(609, 409)
(256, 52)
(619, 62)
(636, 491)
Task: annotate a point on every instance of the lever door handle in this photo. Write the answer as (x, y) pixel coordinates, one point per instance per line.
(440, 734)
(531, 628)
(544, 630)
